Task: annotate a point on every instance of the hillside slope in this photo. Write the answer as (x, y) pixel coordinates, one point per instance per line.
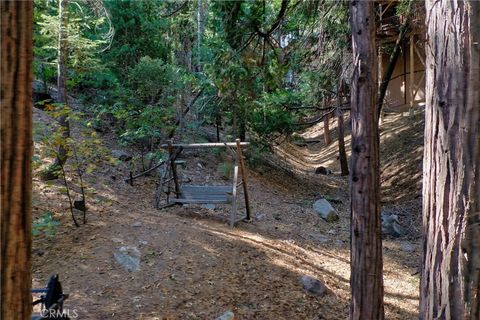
(194, 266)
(401, 152)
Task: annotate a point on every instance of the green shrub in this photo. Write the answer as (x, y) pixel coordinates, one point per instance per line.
(46, 225)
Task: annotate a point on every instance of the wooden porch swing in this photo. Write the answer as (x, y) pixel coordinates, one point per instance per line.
(202, 194)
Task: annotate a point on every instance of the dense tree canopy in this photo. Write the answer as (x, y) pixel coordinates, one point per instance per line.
(258, 67)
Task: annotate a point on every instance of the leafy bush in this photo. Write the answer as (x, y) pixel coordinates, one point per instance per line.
(46, 224)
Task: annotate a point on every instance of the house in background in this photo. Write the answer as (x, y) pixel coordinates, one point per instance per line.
(406, 89)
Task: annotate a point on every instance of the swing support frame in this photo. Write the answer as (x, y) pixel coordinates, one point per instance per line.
(203, 194)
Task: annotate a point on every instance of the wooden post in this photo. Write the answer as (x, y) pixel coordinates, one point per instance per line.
(233, 214)
(172, 156)
(412, 75)
(131, 178)
(244, 177)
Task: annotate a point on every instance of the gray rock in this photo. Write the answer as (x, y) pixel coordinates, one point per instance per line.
(128, 257)
(325, 210)
(229, 315)
(407, 247)
(313, 286)
(209, 206)
(323, 170)
(121, 155)
(320, 238)
(137, 224)
(260, 216)
(391, 226)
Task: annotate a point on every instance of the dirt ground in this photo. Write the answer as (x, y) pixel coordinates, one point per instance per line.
(194, 266)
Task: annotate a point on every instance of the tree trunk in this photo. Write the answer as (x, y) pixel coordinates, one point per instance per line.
(62, 76)
(366, 280)
(16, 139)
(450, 275)
(326, 130)
(342, 154)
(200, 32)
(382, 90)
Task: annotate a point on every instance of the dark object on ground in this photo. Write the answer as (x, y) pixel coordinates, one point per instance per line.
(79, 205)
(52, 300)
(323, 170)
(41, 100)
(52, 172)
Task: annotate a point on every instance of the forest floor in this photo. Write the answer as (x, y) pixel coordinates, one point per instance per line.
(194, 266)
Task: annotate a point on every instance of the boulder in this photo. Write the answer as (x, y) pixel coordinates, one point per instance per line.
(323, 170)
(128, 257)
(407, 247)
(313, 286)
(391, 226)
(325, 210)
(121, 155)
(79, 204)
(229, 315)
(208, 206)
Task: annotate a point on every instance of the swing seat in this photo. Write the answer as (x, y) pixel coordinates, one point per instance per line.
(204, 194)
(201, 194)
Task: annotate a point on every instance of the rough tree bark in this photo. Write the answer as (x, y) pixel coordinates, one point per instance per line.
(16, 139)
(450, 275)
(366, 280)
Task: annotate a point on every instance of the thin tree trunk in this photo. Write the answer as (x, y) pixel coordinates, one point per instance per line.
(393, 59)
(16, 142)
(62, 77)
(342, 154)
(450, 275)
(200, 32)
(366, 280)
(326, 128)
(341, 145)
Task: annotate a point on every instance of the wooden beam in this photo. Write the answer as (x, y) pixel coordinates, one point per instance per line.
(200, 201)
(419, 55)
(173, 155)
(205, 145)
(233, 213)
(418, 85)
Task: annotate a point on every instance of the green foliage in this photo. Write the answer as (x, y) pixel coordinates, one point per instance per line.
(85, 38)
(260, 62)
(225, 169)
(153, 81)
(45, 225)
(83, 156)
